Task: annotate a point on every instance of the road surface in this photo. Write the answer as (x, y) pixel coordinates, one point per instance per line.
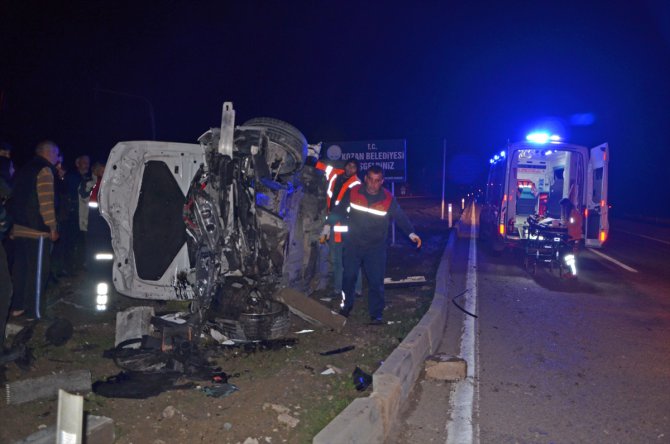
(554, 360)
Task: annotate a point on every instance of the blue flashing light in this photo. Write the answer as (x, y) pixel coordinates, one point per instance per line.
(542, 137)
(548, 152)
(538, 137)
(502, 154)
(496, 157)
(491, 161)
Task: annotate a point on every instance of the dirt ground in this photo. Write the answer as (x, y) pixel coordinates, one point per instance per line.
(282, 396)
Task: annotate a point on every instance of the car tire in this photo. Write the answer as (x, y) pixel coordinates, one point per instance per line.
(288, 138)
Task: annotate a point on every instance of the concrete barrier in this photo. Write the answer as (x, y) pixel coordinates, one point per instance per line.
(369, 420)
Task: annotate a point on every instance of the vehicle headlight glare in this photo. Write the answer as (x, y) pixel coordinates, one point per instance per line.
(102, 289)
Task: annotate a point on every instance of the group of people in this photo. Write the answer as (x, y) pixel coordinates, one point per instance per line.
(356, 228)
(43, 223)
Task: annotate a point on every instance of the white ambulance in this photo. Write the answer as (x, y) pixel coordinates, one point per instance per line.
(530, 178)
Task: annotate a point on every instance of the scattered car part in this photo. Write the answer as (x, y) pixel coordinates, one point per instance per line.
(338, 350)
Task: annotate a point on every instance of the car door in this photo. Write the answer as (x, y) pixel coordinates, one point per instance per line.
(142, 197)
(597, 221)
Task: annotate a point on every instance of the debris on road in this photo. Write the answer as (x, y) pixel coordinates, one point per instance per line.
(445, 367)
(338, 350)
(406, 282)
(310, 310)
(220, 390)
(362, 380)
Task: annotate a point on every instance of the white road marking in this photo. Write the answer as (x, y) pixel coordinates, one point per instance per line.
(644, 236)
(460, 427)
(614, 261)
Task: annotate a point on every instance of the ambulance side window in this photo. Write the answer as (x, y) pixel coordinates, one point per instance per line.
(597, 185)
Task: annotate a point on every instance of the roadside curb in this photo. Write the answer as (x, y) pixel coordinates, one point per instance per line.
(369, 420)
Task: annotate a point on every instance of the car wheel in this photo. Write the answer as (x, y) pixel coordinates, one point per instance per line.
(288, 146)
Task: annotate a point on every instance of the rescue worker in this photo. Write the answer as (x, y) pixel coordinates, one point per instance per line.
(371, 208)
(340, 182)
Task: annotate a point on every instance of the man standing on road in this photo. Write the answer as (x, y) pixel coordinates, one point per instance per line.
(371, 208)
(34, 214)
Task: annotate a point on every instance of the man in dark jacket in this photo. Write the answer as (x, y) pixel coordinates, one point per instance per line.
(371, 209)
(33, 210)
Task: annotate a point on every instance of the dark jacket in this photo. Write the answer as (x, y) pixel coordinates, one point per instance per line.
(369, 230)
(24, 205)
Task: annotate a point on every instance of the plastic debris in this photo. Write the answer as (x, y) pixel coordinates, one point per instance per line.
(220, 390)
(301, 332)
(335, 369)
(328, 371)
(338, 350)
(217, 335)
(174, 317)
(361, 379)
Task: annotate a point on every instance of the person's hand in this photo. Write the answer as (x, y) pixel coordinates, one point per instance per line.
(325, 234)
(416, 239)
(314, 150)
(54, 235)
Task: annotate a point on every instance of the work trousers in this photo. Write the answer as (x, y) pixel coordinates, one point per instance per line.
(5, 294)
(30, 280)
(373, 261)
(336, 250)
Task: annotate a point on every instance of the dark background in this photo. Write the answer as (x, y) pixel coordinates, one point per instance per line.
(475, 74)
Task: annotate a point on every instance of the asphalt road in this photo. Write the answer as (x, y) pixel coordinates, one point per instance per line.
(556, 360)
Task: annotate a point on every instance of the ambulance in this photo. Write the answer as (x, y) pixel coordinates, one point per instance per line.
(530, 178)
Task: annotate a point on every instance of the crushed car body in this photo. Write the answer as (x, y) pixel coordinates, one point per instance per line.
(223, 223)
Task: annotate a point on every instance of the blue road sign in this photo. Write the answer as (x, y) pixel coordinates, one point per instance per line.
(390, 155)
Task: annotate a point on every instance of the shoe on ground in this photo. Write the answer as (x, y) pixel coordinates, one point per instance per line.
(344, 312)
(377, 321)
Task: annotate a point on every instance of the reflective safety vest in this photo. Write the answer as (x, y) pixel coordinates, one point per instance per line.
(360, 203)
(331, 176)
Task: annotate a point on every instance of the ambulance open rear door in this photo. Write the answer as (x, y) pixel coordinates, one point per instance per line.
(596, 215)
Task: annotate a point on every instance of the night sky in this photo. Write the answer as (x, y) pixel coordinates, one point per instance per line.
(475, 74)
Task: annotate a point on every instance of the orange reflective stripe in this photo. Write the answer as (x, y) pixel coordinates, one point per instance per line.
(349, 183)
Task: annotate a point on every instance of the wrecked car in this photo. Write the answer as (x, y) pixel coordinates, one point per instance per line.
(223, 223)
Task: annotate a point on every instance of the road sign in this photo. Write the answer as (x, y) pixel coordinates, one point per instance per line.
(390, 155)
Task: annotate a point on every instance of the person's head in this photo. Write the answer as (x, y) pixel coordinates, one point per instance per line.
(374, 179)
(98, 169)
(49, 151)
(83, 164)
(351, 167)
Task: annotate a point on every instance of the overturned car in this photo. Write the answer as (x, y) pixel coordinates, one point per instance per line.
(223, 223)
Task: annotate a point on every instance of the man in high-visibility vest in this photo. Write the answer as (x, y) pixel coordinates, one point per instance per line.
(371, 208)
(340, 182)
